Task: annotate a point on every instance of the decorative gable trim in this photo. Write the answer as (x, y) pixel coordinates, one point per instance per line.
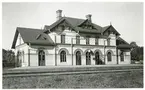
(57, 23)
(40, 37)
(112, 29)
(88, 24)
(15, 39)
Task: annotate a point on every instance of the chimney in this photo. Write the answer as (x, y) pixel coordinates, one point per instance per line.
(59, 14)
(89, 17)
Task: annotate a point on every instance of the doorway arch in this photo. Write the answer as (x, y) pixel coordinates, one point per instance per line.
(109, 56)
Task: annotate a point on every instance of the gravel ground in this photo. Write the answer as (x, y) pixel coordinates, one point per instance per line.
(132, 79)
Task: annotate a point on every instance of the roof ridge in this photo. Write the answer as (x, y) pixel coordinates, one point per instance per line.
(106, 26)
(28, 28)
(75, 18)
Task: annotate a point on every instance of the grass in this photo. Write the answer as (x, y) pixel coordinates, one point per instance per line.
(132, 79)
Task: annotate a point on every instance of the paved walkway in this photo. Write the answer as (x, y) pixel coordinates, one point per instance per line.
(50, 67)
(55, 70)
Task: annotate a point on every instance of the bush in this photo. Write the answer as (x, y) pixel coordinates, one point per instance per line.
(8, 58)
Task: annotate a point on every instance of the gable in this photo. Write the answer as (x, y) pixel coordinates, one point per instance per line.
(73, 25)
(30, 35)
(79, 25)
(110, 29)
(59, 26)
(64, 25)
(19, 40)
(86, 25)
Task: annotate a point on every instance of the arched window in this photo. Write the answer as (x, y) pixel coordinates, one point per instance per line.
(109, 56)
(88, 58)
(122, 56)
(63, 56)
(78, 58)
(41, 56)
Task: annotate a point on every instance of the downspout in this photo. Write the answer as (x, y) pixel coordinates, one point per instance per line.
(117, 51)
(29, 55)
(117, 55)
(55, 52)
(72, 49)
(104, 53)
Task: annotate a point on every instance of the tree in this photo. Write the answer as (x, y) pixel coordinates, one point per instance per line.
(133, 44)
(136, 52)
(8, 58)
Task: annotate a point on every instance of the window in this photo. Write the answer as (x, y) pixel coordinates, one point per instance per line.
(41, 56)
(18, 58)
(63, 56)
(87, 41)
(108, 41)
(109, 56)
(62, 38)
(122, 56)
(23, 56)
(96, 41)
(77, 39)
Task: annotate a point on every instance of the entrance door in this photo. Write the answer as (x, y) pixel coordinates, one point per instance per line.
(97, 58)
(41, 56)
(78, 58)
(88, 58)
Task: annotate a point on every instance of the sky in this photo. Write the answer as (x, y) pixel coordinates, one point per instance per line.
(126, 17)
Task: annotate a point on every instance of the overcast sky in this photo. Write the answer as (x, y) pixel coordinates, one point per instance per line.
(127, 18)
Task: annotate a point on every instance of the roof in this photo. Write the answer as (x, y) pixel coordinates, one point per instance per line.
(123, 44)
(122, 40)
(32, 36)
(74, 22)
(41, 37)
(105, 28)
